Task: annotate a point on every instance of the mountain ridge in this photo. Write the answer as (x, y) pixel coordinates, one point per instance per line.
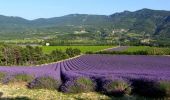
(154, 22)
(83, 14)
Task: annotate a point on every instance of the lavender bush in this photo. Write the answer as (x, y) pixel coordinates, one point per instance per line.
(116, 88)
(79, 85)
(44, 82)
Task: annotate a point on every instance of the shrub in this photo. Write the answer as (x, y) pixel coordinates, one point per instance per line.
(116, 88)
(76, 51)
(44, 82)
(78, 85)
(2, 76)
(87, 83)
(57, 55)
(89, 52)
(72, 52)
(22, 78)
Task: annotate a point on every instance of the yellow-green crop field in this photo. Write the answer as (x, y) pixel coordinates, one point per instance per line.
(49, 49)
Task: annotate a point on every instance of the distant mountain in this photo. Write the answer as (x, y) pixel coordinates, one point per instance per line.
(13, 24)
(144, 21)
(73, 20)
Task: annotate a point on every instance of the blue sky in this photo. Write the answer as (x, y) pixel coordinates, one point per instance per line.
(32, 9)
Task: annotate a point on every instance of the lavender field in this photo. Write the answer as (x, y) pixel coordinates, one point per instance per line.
(104, 66)
(115, 75)
(101, 66)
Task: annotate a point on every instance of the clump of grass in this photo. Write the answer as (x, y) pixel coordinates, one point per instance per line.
(2, 76)
(117, 88)
(22, 78)
(44, 82)
(79, 85)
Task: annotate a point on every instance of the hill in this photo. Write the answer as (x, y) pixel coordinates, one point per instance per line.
(144, 22)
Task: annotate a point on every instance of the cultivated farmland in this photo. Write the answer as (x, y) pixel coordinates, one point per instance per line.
(114, 75)
(120, 66)
(83, 49)
(101, 67)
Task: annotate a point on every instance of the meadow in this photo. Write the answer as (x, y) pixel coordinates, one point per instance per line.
(83, 49)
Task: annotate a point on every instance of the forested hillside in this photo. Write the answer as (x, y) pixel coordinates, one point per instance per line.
(144, 24)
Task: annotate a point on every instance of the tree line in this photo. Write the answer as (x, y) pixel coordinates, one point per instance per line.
(16, 55)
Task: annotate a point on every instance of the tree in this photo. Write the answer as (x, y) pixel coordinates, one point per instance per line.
(57, 55)
(72, 52)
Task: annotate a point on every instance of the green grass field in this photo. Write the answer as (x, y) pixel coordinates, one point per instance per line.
(49, 49)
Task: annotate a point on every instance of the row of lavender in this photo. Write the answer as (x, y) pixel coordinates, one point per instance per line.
(119, 66)
(51, 70)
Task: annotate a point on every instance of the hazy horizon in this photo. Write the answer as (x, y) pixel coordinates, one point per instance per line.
(32, 9)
